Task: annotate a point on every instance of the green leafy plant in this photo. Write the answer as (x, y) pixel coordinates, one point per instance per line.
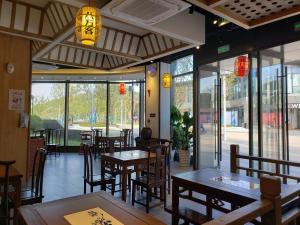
(181, 125)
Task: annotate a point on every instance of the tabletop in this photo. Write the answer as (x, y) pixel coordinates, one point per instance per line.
(53, 212)
(13, 172)
(218, 181)
(127, 156)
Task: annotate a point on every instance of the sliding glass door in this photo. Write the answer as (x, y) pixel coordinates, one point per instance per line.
(209, 154)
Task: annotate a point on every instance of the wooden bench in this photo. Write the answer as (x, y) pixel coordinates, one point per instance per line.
(272, 208)
(189, 215)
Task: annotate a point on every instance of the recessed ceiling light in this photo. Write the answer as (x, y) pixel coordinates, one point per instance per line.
(197, 47)
(151, 61)
(215, 21)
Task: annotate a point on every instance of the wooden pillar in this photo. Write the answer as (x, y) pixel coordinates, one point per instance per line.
(270, 188)
(234, 161)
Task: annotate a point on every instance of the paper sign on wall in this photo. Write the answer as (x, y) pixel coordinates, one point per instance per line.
(16, 100)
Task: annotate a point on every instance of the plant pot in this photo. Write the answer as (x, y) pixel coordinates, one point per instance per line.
(184, 158)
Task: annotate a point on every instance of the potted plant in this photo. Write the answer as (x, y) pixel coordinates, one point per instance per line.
(182, 134)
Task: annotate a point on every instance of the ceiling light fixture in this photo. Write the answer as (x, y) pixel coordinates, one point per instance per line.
(88, 25)
(197, 47)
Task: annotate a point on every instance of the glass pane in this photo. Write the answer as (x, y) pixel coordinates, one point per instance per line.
(207, 118)
(234, 110)
(136, 111)
(119, 109)
(271, 106)
(255, 106)
(183, 65)
(183, 93)
(87, 110)
(47, 107)
(292, 64)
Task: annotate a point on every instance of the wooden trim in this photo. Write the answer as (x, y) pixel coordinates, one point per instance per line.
(106, 37)
(51, 25)
(151, 44)
(214, 3)
(130, 44)
(82, 56)
(102, 61)
(27, 13)
(121, 31)
(122, 43)
(101, 50)
(146, 50)
(24, 34)
(95, 60)
(138, 46)
(277, 16)
(75, 53)
(1, 2)
(156, 38)
(89, 57)
(13, 15)
(54, 18)
(58, 14)
(165, 42)
(59, 52)
(67, 54)
(41, 21)
(65, 15)
(114, 41)
(172, 42)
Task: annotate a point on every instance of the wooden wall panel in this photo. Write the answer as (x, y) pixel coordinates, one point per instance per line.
(14, 140)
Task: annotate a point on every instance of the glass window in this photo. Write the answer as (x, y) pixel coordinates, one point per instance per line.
(183, 93)
(87, 110)
(120, 108)
(183, 65)
(47, 107)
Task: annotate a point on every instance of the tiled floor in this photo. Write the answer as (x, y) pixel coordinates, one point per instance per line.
(63, 178)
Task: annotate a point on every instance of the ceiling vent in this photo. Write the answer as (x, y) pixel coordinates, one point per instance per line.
(145, 11)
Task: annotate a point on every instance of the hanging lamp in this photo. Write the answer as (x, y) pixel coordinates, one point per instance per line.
(167, 80)
(241, 66)
(122, 89)
(88, 25)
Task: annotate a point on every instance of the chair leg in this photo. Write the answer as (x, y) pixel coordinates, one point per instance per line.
(113, 187)
(148, 199)
(129, 182)
(133, 193)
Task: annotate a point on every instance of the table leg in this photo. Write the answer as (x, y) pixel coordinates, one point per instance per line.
(124, 182)
(175, 203)
(17, 199)
(103, 187)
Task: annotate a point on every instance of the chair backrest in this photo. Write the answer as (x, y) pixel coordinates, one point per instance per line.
(88, 162)
(146, 133)
(37, 177)
(6, 165)
(156, 165)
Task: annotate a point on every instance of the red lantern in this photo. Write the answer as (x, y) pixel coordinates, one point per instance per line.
(122, 89)
(241, 67)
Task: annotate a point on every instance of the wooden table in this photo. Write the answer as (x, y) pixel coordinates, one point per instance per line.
(123, 160)
(217, 186)
(15, 179)
(52, 213)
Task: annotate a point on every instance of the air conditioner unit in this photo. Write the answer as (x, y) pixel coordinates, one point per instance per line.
(145, 11)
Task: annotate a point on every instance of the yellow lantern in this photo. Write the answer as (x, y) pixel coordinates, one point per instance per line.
(167, 78)
(88, 25)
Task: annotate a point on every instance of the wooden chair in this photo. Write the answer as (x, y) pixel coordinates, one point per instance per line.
(53, 138)
(97, 141)
(89, 177)
(4, 205)
(35, 193)
(154, 177)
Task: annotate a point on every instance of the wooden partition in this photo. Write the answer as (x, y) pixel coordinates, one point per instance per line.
(13, 139)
